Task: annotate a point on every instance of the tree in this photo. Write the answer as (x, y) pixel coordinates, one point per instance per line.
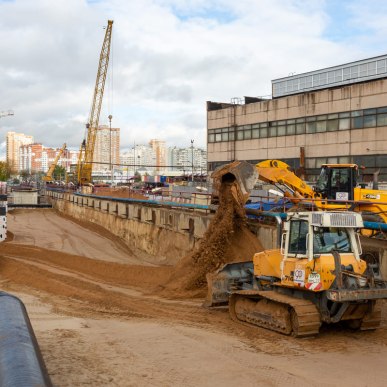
(59, 173)
(137, 176)
(5, 171)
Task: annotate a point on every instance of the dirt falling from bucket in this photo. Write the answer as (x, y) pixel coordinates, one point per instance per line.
(227, 239)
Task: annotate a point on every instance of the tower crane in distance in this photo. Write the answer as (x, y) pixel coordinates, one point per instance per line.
(86, 153)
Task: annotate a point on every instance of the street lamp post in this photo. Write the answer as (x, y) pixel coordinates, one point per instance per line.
(110, 148)
(192, 158)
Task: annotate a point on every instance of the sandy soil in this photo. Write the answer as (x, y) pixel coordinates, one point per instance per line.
(102, 322)
(39, 228)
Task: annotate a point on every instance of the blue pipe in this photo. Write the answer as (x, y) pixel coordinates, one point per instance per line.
(368, 225)
(375, 226)
(21, 363)
(155, 202)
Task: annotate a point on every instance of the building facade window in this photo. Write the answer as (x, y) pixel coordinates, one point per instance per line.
(358, 119)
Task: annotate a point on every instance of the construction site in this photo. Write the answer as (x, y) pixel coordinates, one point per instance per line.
(126, 308)
(261, 278)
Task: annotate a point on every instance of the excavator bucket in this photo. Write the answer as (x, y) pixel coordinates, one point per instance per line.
(242, 173)
(232, 276)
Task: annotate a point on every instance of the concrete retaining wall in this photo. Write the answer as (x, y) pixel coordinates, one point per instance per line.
(164, 232)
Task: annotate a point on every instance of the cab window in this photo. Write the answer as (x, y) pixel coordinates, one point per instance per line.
(297, 237)
(326, 239)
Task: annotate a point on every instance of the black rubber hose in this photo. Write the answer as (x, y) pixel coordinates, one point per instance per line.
(21, 362)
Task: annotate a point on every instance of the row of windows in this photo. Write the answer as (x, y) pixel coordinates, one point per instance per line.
(313, 164)
(359, 119)
(329, 77)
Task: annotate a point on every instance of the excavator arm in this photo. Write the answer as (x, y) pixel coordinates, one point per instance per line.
(278, 173)
(50, 171)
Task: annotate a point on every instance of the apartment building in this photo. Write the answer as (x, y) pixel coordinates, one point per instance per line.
(107, 148)
(38, 158)
(14, 141)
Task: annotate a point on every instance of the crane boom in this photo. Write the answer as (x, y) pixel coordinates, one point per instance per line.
(49, 173)
(86, 153)
(6, 113)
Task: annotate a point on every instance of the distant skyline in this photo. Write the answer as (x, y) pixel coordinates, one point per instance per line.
(168, 58)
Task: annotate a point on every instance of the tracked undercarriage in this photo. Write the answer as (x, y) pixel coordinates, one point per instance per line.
(299, 317)
(275, 311)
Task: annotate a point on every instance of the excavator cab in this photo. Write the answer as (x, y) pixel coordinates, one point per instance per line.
(337, 181)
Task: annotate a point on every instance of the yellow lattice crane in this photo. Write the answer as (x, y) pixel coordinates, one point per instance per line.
(50, 171)
(86, 153)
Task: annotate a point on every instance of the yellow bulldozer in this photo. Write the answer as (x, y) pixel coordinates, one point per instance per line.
(317, 276)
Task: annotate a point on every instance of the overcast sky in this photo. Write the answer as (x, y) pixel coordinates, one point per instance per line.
(168, 58)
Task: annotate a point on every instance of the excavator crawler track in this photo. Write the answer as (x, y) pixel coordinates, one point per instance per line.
(275, 311)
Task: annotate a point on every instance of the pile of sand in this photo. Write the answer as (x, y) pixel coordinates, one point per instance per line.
(119, 192)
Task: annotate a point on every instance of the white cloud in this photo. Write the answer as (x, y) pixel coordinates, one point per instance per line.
(168, 58)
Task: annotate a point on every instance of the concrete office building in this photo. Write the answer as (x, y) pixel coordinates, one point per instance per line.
(333, 115)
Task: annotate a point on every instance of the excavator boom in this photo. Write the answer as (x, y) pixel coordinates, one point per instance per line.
(277, 172)
(50, 172)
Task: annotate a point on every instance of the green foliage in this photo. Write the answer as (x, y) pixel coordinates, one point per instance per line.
(59, 173)
(5, 171)
(137, 177)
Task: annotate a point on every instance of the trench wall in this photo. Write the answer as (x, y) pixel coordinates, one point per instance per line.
(166, 233)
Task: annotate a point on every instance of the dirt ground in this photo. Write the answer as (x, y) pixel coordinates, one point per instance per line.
(100, 320)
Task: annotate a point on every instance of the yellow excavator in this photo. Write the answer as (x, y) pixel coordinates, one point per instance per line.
(337, 188)
(50, 171)
(316, 277)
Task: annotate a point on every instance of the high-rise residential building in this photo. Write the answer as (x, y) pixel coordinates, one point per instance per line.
(187, 159)
(160, 150)
(38, 158)
(30, 156)
(107, 148)
(14, 141)
(139, 157)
